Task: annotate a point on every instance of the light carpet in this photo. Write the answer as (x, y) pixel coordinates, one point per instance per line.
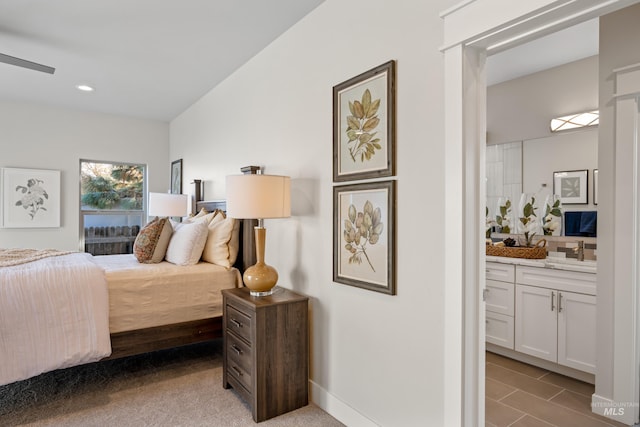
(177, 387)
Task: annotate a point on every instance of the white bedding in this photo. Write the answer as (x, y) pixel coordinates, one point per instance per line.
(148, 295)
(54, 314)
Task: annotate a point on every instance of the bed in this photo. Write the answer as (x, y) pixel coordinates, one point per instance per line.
(150, 306)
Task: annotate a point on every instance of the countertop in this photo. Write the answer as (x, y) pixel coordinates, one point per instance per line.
(558, 263)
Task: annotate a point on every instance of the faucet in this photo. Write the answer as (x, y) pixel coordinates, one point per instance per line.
(580, 250)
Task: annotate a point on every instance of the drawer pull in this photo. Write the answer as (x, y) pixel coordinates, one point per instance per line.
(236, 349)
(237, 371)
(236, 323)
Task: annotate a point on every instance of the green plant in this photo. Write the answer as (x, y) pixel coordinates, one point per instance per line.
(360, 127)
(362, 229)
(503, 219)
(528, 211)
(551, 218)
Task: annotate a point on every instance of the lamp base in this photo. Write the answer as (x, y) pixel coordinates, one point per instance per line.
(260, 279)
(263, 294)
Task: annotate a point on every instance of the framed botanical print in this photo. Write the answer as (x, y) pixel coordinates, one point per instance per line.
(30, 198)
(571, 187)
(364, 236)
(176, 177)
(364, 125)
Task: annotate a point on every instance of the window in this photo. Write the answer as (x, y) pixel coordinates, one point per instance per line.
(112, 207)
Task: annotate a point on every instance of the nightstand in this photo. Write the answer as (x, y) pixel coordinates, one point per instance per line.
(266, 350)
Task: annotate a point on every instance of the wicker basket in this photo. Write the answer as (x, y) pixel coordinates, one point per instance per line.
(538, 251)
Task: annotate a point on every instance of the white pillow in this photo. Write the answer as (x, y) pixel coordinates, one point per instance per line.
(187, 243)
(221, 247)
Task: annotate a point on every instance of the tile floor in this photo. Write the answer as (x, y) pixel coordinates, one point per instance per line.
(521, 395)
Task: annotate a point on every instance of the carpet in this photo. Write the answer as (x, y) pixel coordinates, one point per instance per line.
(176, 387)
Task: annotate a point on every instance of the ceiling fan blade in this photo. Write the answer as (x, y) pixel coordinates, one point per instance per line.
(12, 60)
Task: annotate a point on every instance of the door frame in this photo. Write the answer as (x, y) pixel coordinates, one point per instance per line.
(474, 29)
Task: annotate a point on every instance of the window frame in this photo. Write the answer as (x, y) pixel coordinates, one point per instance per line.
(81, 212)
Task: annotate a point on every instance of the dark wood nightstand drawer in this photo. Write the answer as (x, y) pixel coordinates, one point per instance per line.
(239, 323)
(239, 352)
(239, 373)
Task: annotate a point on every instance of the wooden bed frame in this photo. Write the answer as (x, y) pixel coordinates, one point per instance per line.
(140, 341)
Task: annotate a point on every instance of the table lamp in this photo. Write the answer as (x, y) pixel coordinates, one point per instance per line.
(166, 204)
(256, 196)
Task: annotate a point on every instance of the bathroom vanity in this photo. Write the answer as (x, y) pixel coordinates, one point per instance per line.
(543, 312)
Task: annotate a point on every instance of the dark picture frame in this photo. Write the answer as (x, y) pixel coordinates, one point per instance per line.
(572, 186)
(176, 177)
(364, 125)
(364, 235)
(595, 186)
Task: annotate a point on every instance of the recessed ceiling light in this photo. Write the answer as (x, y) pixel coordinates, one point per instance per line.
(85, 88)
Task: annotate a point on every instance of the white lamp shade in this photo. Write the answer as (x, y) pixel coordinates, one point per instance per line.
(258, 196)
(165, 204)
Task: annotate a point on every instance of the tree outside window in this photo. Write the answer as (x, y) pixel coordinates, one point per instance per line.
(111, 206)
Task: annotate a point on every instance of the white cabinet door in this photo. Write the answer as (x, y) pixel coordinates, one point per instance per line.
(577, 331)
(536, 322)
(499, 297)
(499, 329)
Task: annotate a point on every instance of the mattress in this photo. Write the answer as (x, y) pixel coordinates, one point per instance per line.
(148, 295)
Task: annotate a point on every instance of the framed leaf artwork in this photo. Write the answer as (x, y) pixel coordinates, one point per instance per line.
(571, 187)
(364, 125)
(364, 236)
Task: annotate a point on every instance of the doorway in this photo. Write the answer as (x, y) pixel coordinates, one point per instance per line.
(465, 49)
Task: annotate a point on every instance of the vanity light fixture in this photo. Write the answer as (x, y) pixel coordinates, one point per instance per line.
(573, 121)
(85, 88)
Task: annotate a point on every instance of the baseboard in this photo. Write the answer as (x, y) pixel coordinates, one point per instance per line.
(337, 408)
(617, 411)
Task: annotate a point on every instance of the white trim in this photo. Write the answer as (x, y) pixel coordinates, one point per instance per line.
(626, 247)
(454, 243)
(337, 408)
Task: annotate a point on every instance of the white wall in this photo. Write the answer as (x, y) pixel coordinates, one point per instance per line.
(570, 151)
(522, 108)
(375, 358)
(42, 137)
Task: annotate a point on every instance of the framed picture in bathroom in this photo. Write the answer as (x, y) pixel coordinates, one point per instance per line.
(571, 186)
(595, 186)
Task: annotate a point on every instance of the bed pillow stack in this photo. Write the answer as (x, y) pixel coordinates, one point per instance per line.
(152, 241)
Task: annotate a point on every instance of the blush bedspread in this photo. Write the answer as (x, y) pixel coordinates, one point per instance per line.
(54, 313)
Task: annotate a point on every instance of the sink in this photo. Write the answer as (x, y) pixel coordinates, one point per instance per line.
(587, 266)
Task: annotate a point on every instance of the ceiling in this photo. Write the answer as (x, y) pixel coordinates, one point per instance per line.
(154, 58)
(562, 47)
(145, 58)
